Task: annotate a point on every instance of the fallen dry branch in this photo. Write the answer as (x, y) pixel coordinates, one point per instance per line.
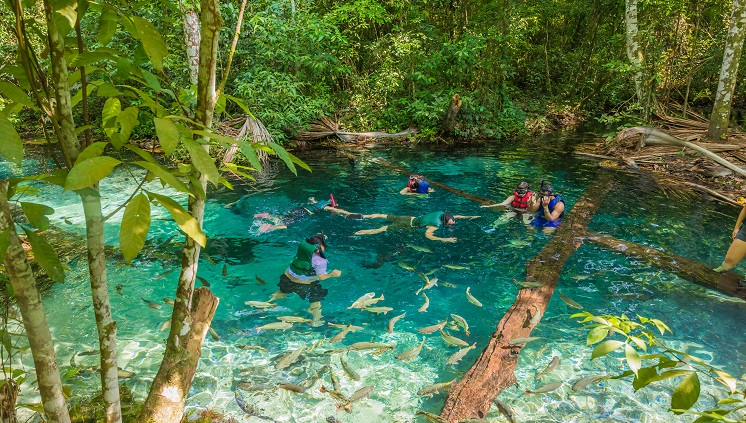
(494, 370)
(327, 128)
(687, 269)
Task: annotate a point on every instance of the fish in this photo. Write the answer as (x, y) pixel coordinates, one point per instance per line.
(458, 355)
(393, 321)
(570, 302)
(151, 304)
(414, 352)
(352, 328)
(260, 304)
(361, 393)
(361, 299)
(531, 284)
(225, 269)
(213, 334)
(319, 374)
(369, 302)
(292, 387)
(351, 373)
(429, 283)
(168, 301)
(518, 243)
(276, 326)
(435, 388)
(165, 325)
(360, 346)
(448, 284)
(456, 267)
(260, 280)
(405, 266)
(340, 336)
(434, 328)
(471, 298)
(550, 368)
(505, 410)
(378, 310)
(424, 307)
(251, 347)
(164, 274)
(516, 341)
(434, 418)
(420, 249)
(242, 405)
(124, 374)
(460, 321)
(545, 389)
(293, 319)
(333, 393)
(586, 382)
(119, 289)
(168, 240)
(66, 220)
(431, 271)
(452, 340)
(91, 352)
(536, 317)
(581, 277)
(203, 281)
(209, 259)
(289, 358)
(333, 377)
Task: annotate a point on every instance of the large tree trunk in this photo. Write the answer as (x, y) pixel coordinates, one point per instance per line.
(636, 57)
(34, 320)
(687, 269)
(728, 72)
(450, 120)
(192, 41)
(493, 371)
(193, 309)
(70, 147)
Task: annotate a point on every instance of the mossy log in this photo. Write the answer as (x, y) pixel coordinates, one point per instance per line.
(493, 371)
(693, 271)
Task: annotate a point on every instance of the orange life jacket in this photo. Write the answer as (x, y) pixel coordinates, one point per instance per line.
(520, 202)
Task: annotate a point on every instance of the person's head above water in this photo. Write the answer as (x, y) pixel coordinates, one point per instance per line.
(546, 191)
(320, 240)
(522, 188)
(448, 219)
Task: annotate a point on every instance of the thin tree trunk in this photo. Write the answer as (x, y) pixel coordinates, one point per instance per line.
(450, 120)
(192, 41)
(635, 56)
(493, 371)
(236, 35)
(728, 72)
(193, 309)
(34, 320)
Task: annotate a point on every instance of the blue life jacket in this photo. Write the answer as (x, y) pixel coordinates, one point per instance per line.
(541, 221)
(423, 187)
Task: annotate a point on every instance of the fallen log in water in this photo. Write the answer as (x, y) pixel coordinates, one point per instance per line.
(493, 371)
(687, 269)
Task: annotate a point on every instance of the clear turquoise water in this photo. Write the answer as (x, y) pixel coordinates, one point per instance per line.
(705, 322)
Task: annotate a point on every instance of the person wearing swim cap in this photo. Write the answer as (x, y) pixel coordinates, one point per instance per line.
(417, 184)
(309, 266)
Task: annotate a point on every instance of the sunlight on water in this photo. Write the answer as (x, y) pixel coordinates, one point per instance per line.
(703, 322)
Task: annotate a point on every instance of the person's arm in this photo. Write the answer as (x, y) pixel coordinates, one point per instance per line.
(430, 234)
(465, 217)
(429, 190)
(338, 210)
(333, 274)
(320, 267)
(503, 204)
(533, 203)
(404, 190)
(558, 209)
(739, 221)
(372, 231)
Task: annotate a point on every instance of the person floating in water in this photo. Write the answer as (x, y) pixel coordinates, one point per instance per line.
(432, 221)
(304, 273)
(417, 184)
(737, 250)
(518, 204)
(295, 215)
(551, 209)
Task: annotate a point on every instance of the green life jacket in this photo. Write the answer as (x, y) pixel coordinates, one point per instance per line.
(301, 264)
(430, 219)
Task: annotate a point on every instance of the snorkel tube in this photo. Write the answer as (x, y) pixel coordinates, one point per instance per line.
(331, 200)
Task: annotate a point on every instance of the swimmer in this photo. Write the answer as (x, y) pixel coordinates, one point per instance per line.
(417, 184)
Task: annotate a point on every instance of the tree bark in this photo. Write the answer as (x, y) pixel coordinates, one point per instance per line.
(192, 41)
(728, 72)
(493, 371)
(450, 120)
(193, 309)
(34, 320)
(687, 269)
(636, 57)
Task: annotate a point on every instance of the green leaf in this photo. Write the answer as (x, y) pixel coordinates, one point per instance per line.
(140, 152)
(89, 171)
(165, 176)
(250, 155)
(299, 162)
(152, 42)
(644, 377)
(202, 161)
(46, 256)
(639, 342)
(4, 242)
(282, 154)
(661, 326)
(596, 335)
(633, 359)
(605, 347)
(11, 146)
(686, 394)
(15, 94)
(215, 136)
(135, 226)
(37, 214)
(112, 109)
(93, 150)
(240, 103)
(64, 15)
(727, 380)
(126, 120)
(168, 134)
(151, 80)
(107, 25)
(94, 56)
(196, 188)
(186, 222)
(107, 90)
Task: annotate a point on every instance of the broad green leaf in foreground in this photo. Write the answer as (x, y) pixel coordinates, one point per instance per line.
(90, 171)
(135, 227)
(37, 214)
(11, 146)
(46, 256)
(605, 347)
(186, 222)
(687, 393)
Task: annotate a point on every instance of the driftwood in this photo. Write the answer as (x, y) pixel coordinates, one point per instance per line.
(687, 269)
(654, 136)
(450, 121)
(713, 193)
(327, 128)
(493, 371)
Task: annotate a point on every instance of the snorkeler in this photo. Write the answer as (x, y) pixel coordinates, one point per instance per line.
(296, 214)
(737, 250)
(519, 200)
(552, 209)
(304, 273)
(417, 184)
(432, 221)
